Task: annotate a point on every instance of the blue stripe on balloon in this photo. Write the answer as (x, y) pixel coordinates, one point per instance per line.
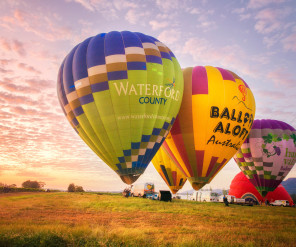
(136, 145)
(153, 59)
(145, 38)
(60, 87)
(99, 87)
(67, 72)
(172, 54)
(165, 125)
(117, 75)
(119, 167)
(145, 138)
(121, 159)
(156, 131)
(86, 99)
(136, 66)
(173, 120)
(131, 39)
(75, 122)
(79, 64)
(95, 51)
(78, 111)
(114, 44)
(165, 55)
(127, 152)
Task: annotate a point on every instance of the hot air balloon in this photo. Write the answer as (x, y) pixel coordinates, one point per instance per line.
(215, 118)
(168, 170)
(121, 92)
(268, 154)
(241, 187)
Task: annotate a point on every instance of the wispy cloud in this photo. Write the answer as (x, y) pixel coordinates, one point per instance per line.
(270, 20)
(282, 77)
(134, 16)
(13, 45)
(156, 25)
(44, 26)
(28, 68)
(255, 4)
(231, 56)
(170, 36)
(289, 42)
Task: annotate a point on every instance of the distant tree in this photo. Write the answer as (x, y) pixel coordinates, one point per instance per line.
(224, 192)
(42, 184)
(32, 184)
(79, 189)
(71, 188)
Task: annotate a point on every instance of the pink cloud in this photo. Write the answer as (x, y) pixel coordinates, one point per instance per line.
(281, 77)
(232, 56)
(156, 25)
(169, 36)
(270, 19)
(254, 4)
(5, 71)
(14, 45)
(40, 83)
(5, 62)
(11, 99)
(41, 25)
(133, 16)
(28, 68)
(289, 42)
(21, 111)
(8, 85)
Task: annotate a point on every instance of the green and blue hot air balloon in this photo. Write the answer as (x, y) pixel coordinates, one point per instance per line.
(121, 92)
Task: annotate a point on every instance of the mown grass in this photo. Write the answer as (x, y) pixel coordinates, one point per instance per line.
(88, 219)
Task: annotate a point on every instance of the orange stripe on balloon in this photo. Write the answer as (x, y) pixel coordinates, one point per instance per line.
(174, 175)
(212, 164)
(178, 140)
(199, 161)
(172, 156)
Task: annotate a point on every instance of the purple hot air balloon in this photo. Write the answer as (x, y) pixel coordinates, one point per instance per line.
(268, 154)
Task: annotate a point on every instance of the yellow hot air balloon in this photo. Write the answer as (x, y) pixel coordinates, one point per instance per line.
(215, 118)
(168, 170)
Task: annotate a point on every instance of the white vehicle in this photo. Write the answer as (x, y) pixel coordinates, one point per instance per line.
(239, 200)
(204, 196)
(142, 190)
(283, 203)
(233, 199)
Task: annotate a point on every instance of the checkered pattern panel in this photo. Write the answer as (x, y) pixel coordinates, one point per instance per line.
(142, 152)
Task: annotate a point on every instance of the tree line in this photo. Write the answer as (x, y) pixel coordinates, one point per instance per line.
(31, 186)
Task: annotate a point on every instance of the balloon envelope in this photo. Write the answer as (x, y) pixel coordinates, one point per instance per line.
(168, 170)
(268, 154)
(121, 92)
(215, 117)
(241, 187)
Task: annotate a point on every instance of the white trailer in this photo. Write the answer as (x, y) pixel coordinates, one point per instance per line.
(204, 196)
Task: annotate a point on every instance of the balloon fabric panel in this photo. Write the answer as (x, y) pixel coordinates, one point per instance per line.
(268, 154)
(215, 117)
(168, 170)
(122, 93)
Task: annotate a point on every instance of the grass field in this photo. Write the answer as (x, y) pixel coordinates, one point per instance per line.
(86, 219)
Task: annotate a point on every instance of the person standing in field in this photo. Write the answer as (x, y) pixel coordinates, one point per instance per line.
(225, 201)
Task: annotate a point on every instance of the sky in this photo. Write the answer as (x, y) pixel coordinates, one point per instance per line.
(256, 39)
